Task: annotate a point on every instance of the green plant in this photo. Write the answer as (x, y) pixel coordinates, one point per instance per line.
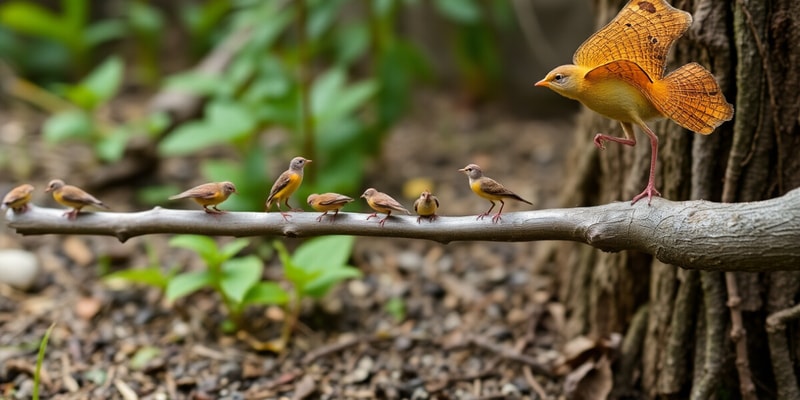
(315, 267)
(37, 374)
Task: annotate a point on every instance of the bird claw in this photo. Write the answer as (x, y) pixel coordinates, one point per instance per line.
(71, 215)
(285, 216)
(649, 191)
(383, 221)
(373, 215)
(496, 218)
(482, 216)
(599, 141)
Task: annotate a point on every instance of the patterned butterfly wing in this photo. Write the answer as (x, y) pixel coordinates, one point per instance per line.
(642, 32)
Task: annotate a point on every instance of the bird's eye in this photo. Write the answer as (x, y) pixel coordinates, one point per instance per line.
(558, 77)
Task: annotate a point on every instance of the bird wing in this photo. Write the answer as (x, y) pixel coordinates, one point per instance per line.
(335, 200)
(642, 32)
(627, 71)
(208, 191)
(285, 180)
(75, 196)
(386, 202)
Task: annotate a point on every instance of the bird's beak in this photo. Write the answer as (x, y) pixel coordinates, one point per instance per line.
(309, 160)
(462, 170)
(543, 83)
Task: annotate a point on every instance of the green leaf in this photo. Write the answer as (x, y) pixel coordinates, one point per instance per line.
(197, 82)
(352, 42)
(145, 19)
(326, 90)
(349, 100)
(104, 31)
(320, 285)
(231, 249)
(143, 356)
(462, 11)
(152, 276)
(324, 252)
(112, 147)
(294, 273)
(37, 372)
(269, 293)
(396, 307)
(204, 246)
(224, 122)
(105, 80)
(156, 195)
(32, 19)
(188, 283)
(239, 275)
(72, 124)
(75, 13)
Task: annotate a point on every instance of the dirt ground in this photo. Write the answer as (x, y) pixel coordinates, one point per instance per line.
(480, 319)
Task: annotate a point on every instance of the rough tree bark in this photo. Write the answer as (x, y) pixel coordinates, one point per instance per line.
(753, 48)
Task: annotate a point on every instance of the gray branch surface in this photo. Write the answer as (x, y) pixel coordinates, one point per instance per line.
(755, 236)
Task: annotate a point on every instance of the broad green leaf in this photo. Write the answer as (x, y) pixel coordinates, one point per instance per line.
(145, 18)
(204, 246)
(196, 82)
(349, 100)
(270, 293)
(294, 273)
(322, 16)
(152, 276)
(322, 253)
(462, 11)
(30, 18)
(75, 13)
(105, 80)
(104, 31)
(72, 124)
(352, 42)
(239, 275)
(224, 122)
(231, 249)
(320, 285)
(188, 283)
(112, 147)
(326, 90)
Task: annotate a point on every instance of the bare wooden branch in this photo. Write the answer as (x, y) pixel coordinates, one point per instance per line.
(755, 236)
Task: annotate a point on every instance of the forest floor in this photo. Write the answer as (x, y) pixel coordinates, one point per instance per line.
(481, 321)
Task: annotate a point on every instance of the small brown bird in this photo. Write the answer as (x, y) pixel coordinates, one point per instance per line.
(286, 184)
(489, 189)
(18, 198)
(72, 196)
(209, 194)
(426, 206)
(328, 202)
(382, 202)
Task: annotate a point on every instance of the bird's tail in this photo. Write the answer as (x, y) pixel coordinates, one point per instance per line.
(691, 97)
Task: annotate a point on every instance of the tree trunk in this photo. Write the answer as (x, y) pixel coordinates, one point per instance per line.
(753, 48)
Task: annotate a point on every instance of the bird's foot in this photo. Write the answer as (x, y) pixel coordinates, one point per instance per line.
(496, 218)
(213, 210)
(285, 216)
(319, 219)
(482, 216)
(601, 139)
(649, 191)
(383, 221)
(21, 210)
(373, 215)
(71, 215)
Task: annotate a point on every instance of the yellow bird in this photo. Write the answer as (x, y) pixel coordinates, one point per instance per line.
(72, 196)
(286, 184)
(18, 198)
(382, 202)
(209, 194)
(328, 202)
(619, 73)
(426, 205)
(490, 190)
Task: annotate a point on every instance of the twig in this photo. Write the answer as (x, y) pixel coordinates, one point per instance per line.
(510, 354)
(526, 371)
(757, 236)
(782, 287)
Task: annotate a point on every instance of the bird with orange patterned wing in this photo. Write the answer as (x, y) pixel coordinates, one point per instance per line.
(619, 73)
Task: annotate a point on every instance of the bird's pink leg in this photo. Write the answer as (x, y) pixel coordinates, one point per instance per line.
(373, 215)
(628, 140)
(481, 216)
(650, 189)
(319, 219)
(497, 216)
(383, 221)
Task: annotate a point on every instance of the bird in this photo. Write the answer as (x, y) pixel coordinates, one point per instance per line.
(426, 205)
(490, 190)
(286, 184)
(328, 202)
(209, 194)
(382, 202)
(72, 196)
(619, 73)
(18, 198)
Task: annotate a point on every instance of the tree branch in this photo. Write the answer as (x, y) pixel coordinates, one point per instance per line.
(756, 236)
